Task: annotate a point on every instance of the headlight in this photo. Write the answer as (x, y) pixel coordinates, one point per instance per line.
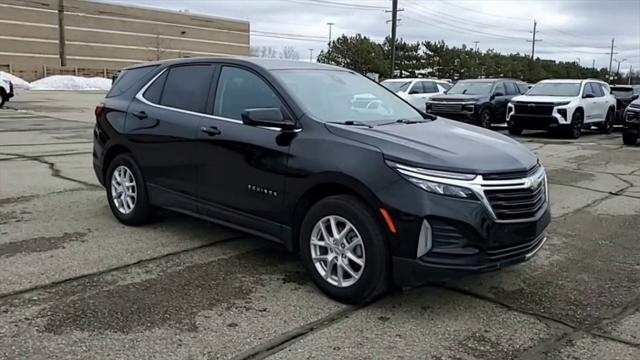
(562, 103)
(435, 181)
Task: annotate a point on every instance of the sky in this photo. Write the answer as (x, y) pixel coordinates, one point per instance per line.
(570, 30)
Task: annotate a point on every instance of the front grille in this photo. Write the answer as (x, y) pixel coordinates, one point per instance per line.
(441, 107)
(533, 108)
(513, 204)
(633, 114)
(512, 175)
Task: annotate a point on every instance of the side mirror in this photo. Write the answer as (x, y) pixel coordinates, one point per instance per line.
(588, 96)
(634, 97)
(496, 94)
(268, 117)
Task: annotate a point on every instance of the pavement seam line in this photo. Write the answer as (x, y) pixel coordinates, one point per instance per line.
(27, 157)
(283, 341)
(52, 143)
(114, 268)
(55, 172)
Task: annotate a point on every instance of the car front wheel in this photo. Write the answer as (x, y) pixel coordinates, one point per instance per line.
(574, 130)
(343, 248)
(484, 118)
(630, 136)
(126, 191)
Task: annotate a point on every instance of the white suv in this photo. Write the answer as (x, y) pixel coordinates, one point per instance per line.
(568, 105)
(6, 91)
(417, 91)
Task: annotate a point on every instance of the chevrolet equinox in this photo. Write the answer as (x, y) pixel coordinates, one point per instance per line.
(367, 189)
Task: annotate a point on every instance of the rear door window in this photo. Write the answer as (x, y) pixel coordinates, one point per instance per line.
(588, 90)
(597, 89)
(187, 87)
(429, 87)
(128, 78)
(240, 89)
(512, 89)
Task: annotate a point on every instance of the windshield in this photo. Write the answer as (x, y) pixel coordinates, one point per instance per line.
(339, 96)
(396, 86)
(471, 88)
(555, 89)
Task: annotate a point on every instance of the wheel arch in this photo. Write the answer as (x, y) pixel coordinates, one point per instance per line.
(328, 185)
(113, 151)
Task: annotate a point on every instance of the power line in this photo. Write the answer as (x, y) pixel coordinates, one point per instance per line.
(439, 23)
(485, 13)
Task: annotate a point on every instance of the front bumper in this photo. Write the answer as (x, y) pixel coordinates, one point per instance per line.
(464, 236)
(534, 122)
(632, 118)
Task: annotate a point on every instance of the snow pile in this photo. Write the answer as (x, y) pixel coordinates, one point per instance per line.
(17, 82)
(69, 82)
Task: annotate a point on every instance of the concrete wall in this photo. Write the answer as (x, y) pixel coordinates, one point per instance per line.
(102, 38)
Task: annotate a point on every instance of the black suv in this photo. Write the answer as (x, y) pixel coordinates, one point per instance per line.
(631, 130)
(482, 101)
(367, 195)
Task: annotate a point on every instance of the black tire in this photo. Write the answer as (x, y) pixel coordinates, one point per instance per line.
(485, 118)
(142, 211)
(574, 130)
(3, 98)
(515, 130)
(630, 136)
(607, 125)
(375, 275)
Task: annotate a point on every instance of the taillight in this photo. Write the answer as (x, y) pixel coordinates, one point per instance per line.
(98, 111)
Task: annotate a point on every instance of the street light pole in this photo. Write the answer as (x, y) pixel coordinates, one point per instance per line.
(330, 26)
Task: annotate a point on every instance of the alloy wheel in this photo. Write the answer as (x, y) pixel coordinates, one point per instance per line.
(124, 191)
(337, 251)
(485, 119)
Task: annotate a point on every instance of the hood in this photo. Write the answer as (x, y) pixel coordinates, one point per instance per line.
(543, 99)
(458, 97)
(444, 145)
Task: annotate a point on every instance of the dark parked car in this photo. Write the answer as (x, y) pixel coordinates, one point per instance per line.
(631, 130)
(482, 101)
(624, 95)
(367, 195)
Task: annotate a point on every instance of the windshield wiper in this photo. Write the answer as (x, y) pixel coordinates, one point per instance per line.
(405, 121)
(351, 123)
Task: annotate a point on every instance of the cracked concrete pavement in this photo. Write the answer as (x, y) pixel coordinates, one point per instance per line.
(75, 283)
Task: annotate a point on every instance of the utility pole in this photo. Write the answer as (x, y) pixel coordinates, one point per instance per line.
(630, 73)
(394, 24)
(593, 66)
(476, 45)
(534, 40)
(310, 55)
(618, 71)
(613, 40)
(330, 26)
(61, 37)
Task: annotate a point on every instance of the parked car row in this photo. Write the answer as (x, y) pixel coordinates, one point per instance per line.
(566, 106)
(417, 91)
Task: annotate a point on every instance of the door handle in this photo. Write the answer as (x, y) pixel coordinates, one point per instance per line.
(211, 131)
(140, 115)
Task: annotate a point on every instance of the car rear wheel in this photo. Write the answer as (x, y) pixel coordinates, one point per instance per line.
(484, 119)
(126, 191)
(344, 250)
(574, 130)
(607, 125)
(630, 136)
(3, 98)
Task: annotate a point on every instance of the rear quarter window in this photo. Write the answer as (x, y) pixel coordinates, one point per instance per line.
(129, 78)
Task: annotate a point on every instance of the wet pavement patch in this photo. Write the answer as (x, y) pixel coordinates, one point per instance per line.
(568, 177)
(172, 299)
(39, 244)
(587, 271)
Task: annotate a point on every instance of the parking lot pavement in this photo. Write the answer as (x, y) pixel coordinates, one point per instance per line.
(75, 283)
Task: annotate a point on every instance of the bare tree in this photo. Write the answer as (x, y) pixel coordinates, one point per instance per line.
(289, 53)
(264, 52)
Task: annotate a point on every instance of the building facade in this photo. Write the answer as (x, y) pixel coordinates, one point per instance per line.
(44, 37)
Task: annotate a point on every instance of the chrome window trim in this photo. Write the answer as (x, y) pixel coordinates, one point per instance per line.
(139, 96)
(478, 185)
